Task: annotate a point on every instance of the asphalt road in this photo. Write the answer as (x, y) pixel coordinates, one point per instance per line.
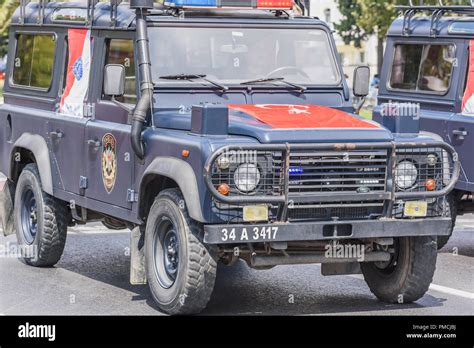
(92, 278)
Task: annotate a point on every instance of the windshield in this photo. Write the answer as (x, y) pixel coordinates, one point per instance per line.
(234, 55)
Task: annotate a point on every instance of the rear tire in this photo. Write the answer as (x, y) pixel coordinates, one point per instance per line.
(407, 277)
(40, 221)
(442, 240)
(181, 269)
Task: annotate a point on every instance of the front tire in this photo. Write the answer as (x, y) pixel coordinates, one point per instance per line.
(452, 202)
(181, 269)
(40, 221)
(408, 275)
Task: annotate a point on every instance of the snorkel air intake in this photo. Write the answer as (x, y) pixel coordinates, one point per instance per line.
(144, 104)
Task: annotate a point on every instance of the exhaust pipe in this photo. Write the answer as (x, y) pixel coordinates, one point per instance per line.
(144, 104)
(269, 260)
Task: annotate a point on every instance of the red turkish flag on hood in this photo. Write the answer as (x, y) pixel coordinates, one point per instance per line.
(303, 116)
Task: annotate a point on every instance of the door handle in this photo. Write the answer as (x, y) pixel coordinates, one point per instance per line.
(56, 135)
(93, 143)
(460, 133)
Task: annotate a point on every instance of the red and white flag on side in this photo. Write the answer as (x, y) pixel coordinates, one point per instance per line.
(78, 72)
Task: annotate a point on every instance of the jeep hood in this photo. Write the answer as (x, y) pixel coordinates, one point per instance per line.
(271, 123)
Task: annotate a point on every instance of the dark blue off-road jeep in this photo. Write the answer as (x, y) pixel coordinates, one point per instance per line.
(216, 131)
(429, 66)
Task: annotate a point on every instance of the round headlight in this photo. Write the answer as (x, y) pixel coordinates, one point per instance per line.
(247, 177)
(405, 175)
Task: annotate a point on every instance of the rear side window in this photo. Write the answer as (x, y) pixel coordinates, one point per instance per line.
(423, 68)
(120, 51)
(34, 60)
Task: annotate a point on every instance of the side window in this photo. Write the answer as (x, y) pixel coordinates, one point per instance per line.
(423, 68)
(121, 52)
(34, 60)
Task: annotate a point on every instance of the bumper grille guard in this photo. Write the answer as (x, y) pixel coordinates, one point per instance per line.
(318, 176)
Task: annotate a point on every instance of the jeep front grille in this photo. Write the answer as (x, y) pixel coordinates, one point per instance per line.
(339, 210)
(335, 172)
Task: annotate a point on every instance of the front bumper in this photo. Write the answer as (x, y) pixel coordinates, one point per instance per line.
(314, 231)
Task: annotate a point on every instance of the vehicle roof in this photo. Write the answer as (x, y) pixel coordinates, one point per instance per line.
(420, 26)
(125, 17)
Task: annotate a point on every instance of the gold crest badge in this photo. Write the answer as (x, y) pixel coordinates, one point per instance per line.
(109, 161)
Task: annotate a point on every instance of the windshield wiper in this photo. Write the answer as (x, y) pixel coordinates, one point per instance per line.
(275, 79)
(189, 77)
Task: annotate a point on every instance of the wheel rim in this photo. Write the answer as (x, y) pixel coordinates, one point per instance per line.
(166, 253)
(388, 267)
(29, 216)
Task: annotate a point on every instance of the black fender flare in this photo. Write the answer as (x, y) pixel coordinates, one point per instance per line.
(186, 180)
(39, 148)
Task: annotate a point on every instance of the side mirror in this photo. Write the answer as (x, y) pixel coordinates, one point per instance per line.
(114, 80)
(361, 81)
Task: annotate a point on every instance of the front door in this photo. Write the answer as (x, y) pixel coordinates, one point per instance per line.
(461, 133)
(461, 126)
(110, 159)
(66, 129)
(110, 162)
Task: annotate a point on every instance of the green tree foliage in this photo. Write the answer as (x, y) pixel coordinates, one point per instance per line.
(367, 17)
(7, 7)
(375, 16)
(348, 28)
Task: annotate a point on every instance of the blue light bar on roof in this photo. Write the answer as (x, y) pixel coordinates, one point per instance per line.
(242, 4)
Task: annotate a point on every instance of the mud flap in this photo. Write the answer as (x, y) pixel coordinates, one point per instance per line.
(137, 257)
(7, 197)
(340, 268)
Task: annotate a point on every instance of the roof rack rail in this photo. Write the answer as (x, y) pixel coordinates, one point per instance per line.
(89, 6)
(436, 13)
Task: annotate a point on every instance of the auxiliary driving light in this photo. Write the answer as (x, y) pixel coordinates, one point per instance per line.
(430, 184)
(431, 159)
(252, 213)
(223, 162)
(223, 189)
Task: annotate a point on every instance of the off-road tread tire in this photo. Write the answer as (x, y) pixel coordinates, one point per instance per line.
(51, 236)
(417, 270)
(202, 261)
(442, 240)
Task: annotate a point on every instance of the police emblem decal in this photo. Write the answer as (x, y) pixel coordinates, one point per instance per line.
(109, 161)
(77, 69)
